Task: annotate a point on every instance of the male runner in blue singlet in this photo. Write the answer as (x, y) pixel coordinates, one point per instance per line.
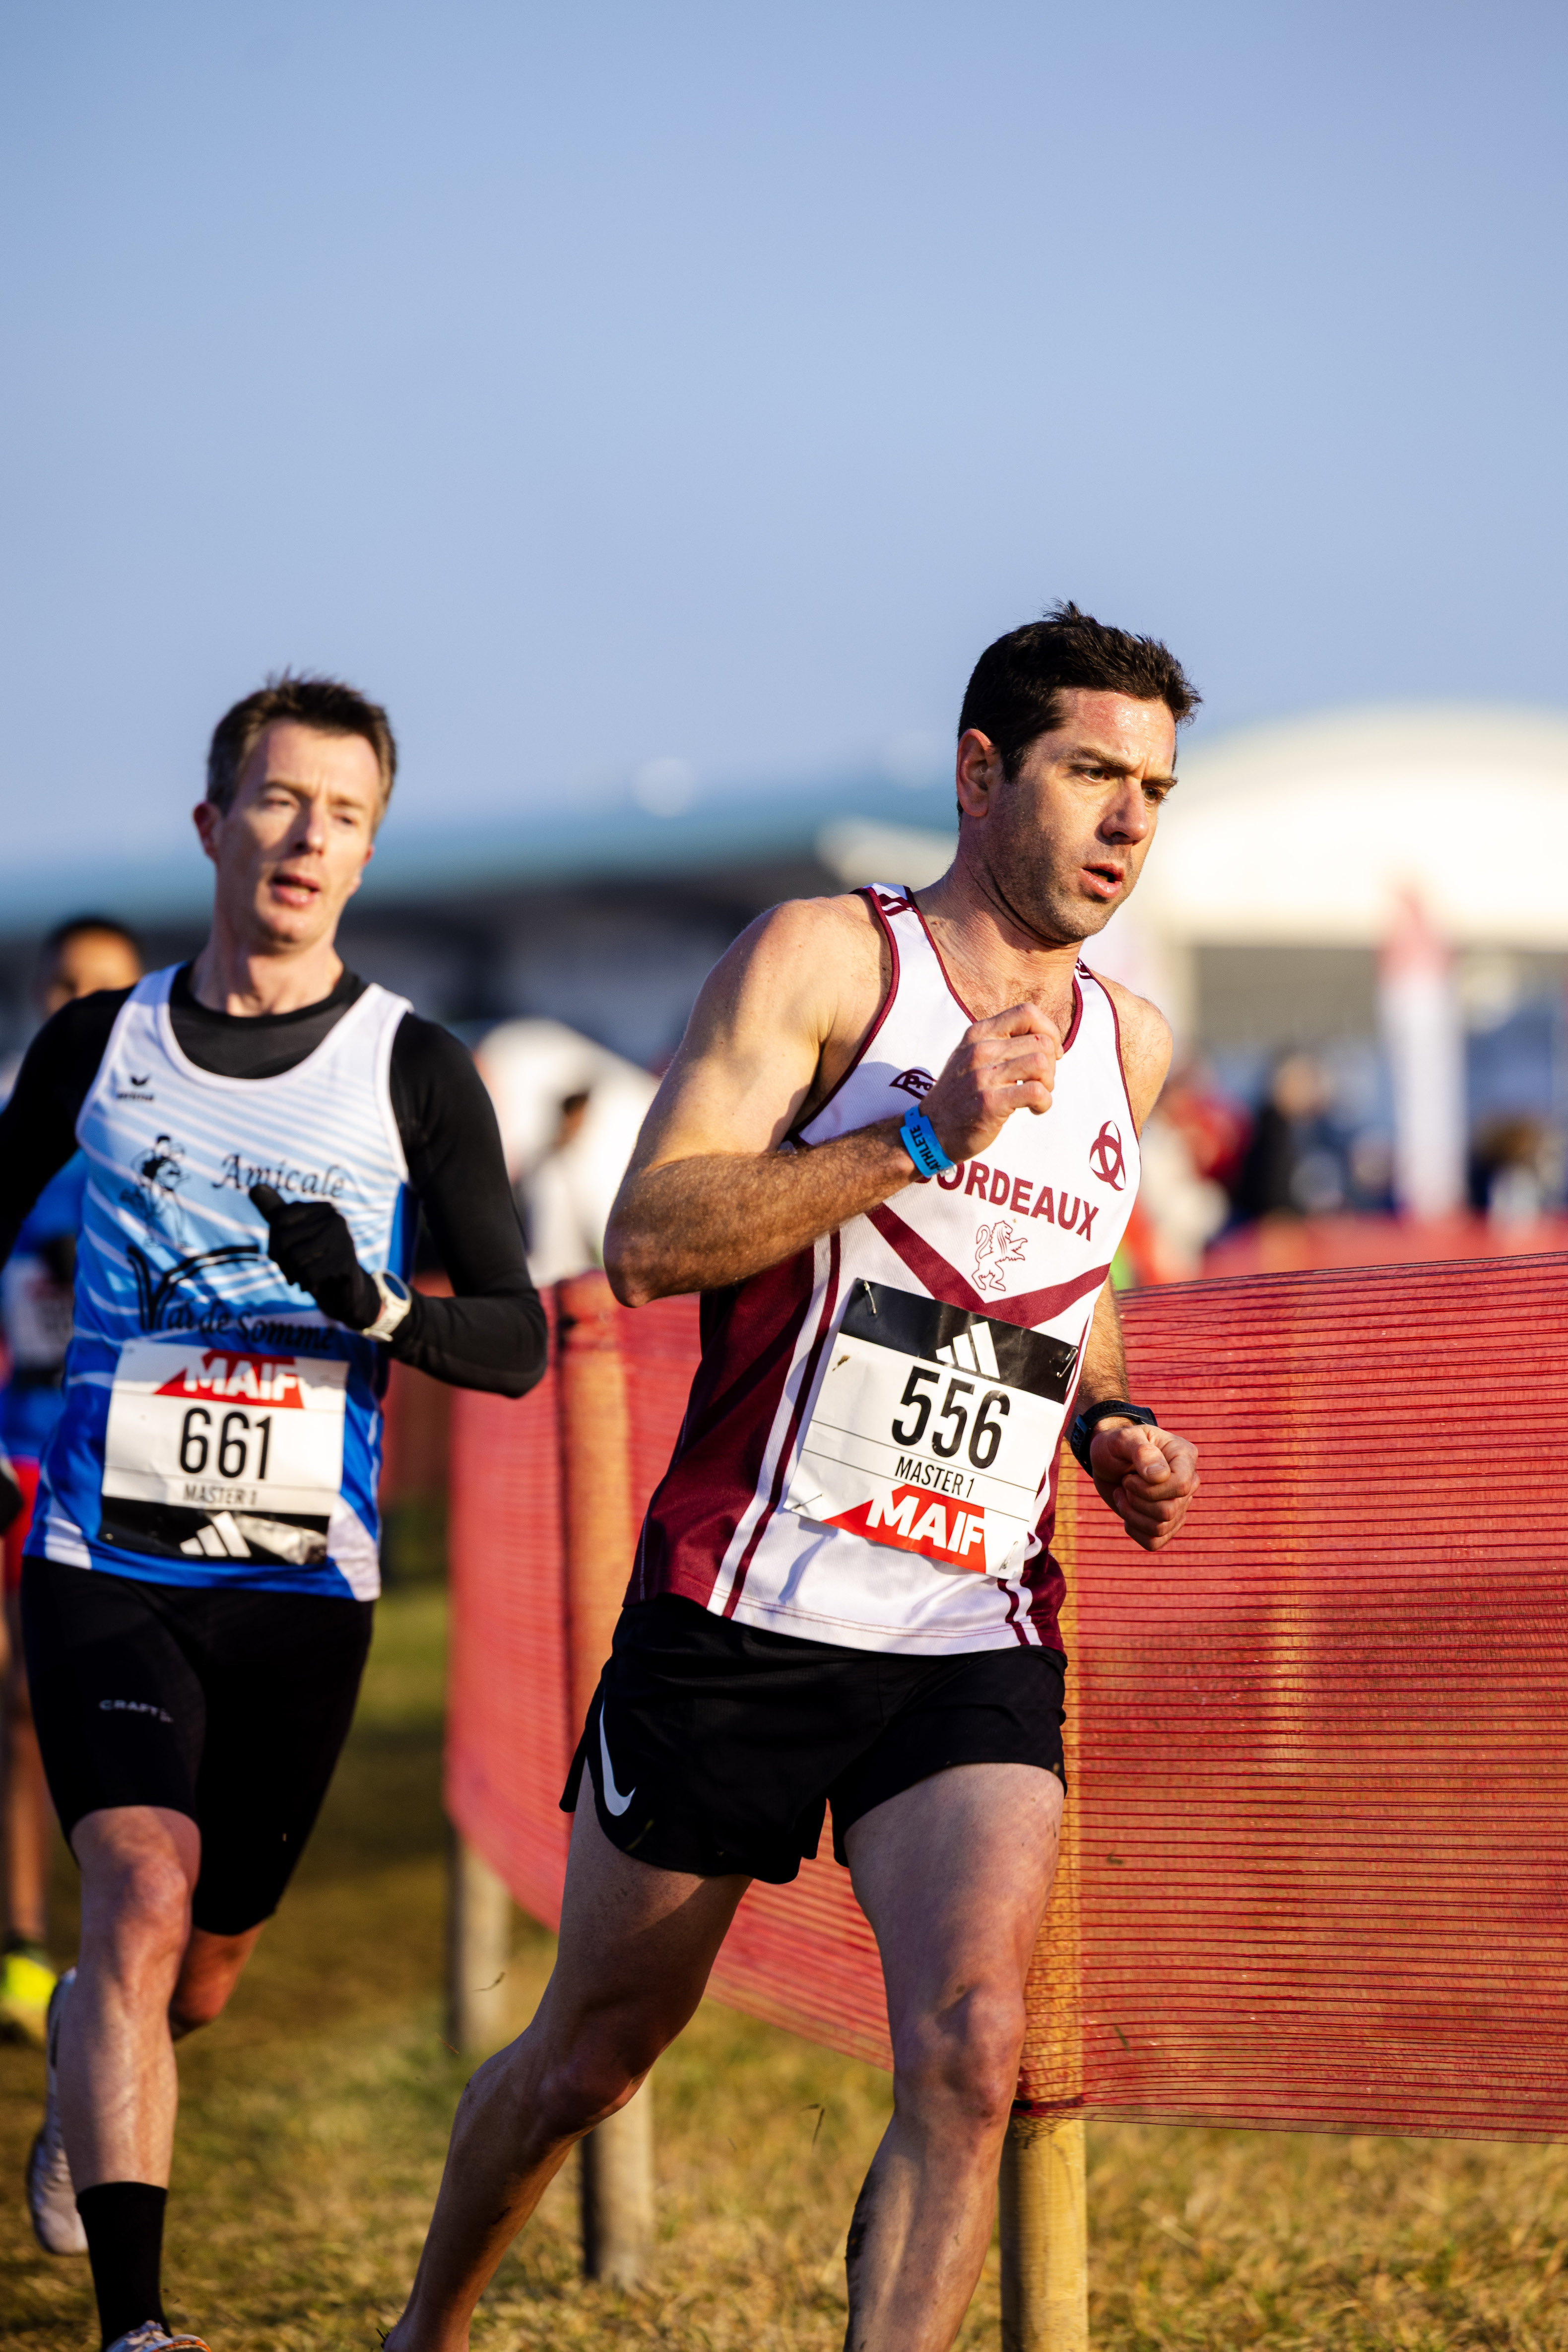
(262, 1130)
(896, 1153)
(79, 957)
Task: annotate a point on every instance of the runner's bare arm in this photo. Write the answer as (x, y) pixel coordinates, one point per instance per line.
(1146, 1038)
(711, 1195)
(1147, 1476)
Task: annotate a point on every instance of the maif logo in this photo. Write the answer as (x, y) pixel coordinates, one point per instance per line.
(1107, 1157)
(225, 1376)
(909, 1519)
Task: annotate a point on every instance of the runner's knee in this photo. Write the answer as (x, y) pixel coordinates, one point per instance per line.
(964, 2056)
(195, 2005)
(138, 1910)
(201, 1993)
(586, 2084)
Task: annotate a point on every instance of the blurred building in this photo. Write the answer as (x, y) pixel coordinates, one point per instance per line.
(1265, 928)
(605, 915)
(1287, 852)
(1358, 922)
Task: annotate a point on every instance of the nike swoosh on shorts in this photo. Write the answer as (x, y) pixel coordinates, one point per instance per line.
(613, 1797)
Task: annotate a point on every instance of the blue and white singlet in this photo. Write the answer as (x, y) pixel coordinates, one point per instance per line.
(218, 1429)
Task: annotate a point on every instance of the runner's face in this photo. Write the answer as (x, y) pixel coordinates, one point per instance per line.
(1063, 845)
(291, 850)
(89, 960)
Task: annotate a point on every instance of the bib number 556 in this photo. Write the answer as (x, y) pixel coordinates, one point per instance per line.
(947, 1434)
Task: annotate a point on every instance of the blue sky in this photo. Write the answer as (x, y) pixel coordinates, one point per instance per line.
(699, 383)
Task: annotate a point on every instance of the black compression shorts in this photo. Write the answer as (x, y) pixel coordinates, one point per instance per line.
(726, 1745)
(231, 1707)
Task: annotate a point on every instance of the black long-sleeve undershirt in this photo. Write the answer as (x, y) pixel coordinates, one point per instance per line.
(490, 1334)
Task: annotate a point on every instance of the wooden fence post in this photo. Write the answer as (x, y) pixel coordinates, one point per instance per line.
(1044, 2264)
(600, 1539)
(1044, 2208)
(479, 1940)
(617, 2194)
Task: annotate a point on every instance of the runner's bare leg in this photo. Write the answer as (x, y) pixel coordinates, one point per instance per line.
(636, 1945)
(953, 1875)
(144, 1977)
(28, 1811)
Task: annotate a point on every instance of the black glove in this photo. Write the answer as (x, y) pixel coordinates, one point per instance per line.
(311, 1245)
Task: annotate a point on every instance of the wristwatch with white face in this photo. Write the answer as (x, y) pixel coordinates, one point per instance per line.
(396, 1298)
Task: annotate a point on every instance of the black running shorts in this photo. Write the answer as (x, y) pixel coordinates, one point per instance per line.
(725, 1745)
(231, 1707)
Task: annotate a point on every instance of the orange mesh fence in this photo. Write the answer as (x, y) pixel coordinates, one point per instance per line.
(1322, 1780)
(1314, 1874)
(508, 1745)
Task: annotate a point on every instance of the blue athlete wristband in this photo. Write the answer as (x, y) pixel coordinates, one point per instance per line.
(919, 1138)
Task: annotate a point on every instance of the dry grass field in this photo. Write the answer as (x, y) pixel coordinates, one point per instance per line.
(315, 2116)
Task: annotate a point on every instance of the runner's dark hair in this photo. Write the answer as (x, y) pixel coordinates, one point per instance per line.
(1014, 695)
(323, 703)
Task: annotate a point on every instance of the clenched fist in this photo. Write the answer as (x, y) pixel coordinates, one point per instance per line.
(313, 1247)
(1147, 1476)
(1002, 1065)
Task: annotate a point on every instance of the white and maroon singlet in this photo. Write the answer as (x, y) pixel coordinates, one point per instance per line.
(869, 1452)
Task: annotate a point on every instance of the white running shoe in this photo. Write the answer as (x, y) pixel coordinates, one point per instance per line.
(51, 2200)
(151, 2337)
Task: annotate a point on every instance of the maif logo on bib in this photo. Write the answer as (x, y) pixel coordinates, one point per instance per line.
(212, 1453)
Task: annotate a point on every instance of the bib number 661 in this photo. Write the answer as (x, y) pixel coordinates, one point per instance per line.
(947, 1433)
(227, 1447)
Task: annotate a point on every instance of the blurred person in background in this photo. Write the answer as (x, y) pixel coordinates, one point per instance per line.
(1295, 1164)
(564, 1237)
(1516, 1171)
(81, 957)
(569, 1112)
(1193, 1147)
(1216, 1128)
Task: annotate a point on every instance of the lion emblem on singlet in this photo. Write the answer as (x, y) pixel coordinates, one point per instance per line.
(997, 1246)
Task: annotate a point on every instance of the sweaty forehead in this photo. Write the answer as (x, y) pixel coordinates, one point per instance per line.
(1141, 735)
(292, 754)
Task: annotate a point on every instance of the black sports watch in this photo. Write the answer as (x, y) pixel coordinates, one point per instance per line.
(1108, 1409)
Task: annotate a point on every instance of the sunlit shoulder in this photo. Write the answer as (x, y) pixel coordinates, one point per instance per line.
(815, 964)
(1146, 1043)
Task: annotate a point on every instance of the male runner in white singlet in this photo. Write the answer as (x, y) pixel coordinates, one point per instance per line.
(262, 1130)
(896, 1153)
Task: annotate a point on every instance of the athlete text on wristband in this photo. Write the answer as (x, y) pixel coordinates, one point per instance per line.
(395, 1301)
(1108, 1409)
(919, 1138)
